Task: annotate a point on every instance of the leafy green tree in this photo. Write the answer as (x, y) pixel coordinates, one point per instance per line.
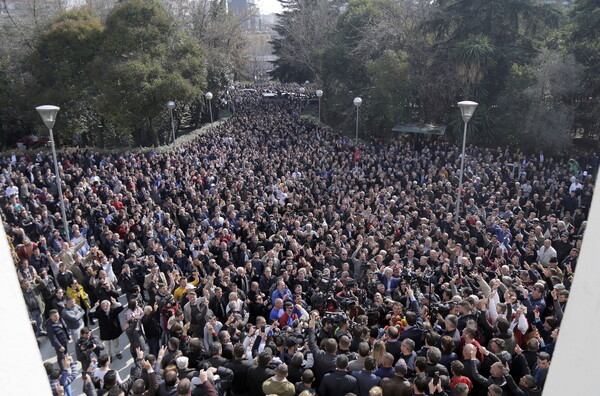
(538, 107)
(473, 58)
(585, 45)
(60, 66)
(391, 90)
(144, 63)
(510, 29)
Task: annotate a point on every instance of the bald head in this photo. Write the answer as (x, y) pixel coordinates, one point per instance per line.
(468, 351)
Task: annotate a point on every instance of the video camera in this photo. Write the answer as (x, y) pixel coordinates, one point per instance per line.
(441, 308)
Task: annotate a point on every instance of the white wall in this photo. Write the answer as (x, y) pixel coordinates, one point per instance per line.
(21, 368)
(575, 363)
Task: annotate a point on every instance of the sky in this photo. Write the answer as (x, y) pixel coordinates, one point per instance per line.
(269, 6)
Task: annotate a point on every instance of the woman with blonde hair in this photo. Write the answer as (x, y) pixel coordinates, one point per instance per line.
(378, 352)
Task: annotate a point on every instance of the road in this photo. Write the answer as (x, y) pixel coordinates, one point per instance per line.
(121, 365)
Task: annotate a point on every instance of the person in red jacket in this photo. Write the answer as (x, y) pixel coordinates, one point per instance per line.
(457, 370)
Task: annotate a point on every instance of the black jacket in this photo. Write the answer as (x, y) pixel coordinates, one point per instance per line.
(393, 347)
(240, 370)
(110, 325)
(324, 362)
(256, 376)
(415, 332)
(338, 383)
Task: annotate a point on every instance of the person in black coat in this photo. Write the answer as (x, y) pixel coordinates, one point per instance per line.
(216, 360)
(340, 382)
(324, 359)
(259, 374)
(58, 335)
(217, 304)
(240, 367)
(152, 330)
(415, 328)
(88, 346)
(109, 324)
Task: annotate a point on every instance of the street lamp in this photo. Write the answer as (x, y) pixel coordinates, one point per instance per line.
(302, 90)
(48, 114)
(467, 108)
(357, 102)
(171, 106)
(231, 100)
(209, 96)
(319, 93)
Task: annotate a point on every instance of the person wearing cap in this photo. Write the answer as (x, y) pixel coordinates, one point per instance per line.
(397, 385)
(340, 382)
(278, 384)
(183, 371)
(560, 295)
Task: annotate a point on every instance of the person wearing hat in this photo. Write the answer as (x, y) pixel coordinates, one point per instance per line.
(560, 298)
(278, 384)
(183, 371)
(397, 385)
(339, 382)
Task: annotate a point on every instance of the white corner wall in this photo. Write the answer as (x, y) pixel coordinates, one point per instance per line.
(576, 362)
(21, 367)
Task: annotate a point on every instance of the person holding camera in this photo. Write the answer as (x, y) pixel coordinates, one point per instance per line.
(88, 347)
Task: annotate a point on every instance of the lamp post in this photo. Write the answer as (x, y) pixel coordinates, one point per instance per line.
(302, 90)
(48, 114)
(467, 108)
(357, 102)
(231, 100)
(209, 96)
(171, 106)
(319, 93)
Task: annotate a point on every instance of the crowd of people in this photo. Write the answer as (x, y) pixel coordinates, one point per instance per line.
(270, 256)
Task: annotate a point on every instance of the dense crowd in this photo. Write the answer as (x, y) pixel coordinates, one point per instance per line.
(271, 256)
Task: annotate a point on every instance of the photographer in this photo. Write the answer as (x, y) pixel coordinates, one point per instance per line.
(88, 347)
